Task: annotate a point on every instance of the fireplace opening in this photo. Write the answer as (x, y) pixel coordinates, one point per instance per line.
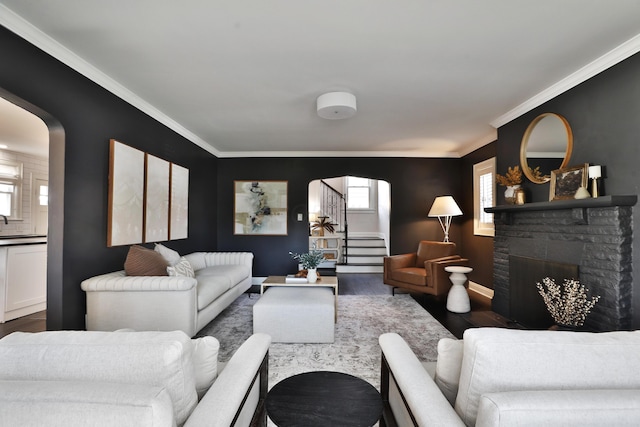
(525, 303)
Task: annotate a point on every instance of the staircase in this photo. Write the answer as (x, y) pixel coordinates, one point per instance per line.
(362, 255)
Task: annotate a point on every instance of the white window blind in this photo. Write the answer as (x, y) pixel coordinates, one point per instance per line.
(484, 196)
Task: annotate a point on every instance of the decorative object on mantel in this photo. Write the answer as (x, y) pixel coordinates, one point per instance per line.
(310, 262)
(512, 180)
(595, 172)
(444, 207)
(582, 193)
(566, 182)
(568, 305)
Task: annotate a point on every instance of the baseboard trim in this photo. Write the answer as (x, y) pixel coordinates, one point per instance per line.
(481, 291)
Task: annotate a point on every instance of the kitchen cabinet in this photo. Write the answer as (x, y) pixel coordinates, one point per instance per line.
(23, 280)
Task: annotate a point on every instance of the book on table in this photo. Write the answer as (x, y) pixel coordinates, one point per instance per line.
(292, 278)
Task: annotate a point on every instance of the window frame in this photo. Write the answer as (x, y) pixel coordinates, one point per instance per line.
(17, 181)
(369, 187)
(480, 169)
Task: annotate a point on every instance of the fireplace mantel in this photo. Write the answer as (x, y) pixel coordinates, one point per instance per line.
(578, 206)
(599, 202)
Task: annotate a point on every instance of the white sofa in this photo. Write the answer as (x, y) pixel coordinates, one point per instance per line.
(79, 378)
(504, 377)
(166, 303)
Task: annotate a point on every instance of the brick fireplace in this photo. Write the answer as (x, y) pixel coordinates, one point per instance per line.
(593, 234)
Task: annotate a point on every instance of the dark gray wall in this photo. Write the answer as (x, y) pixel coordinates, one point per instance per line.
(414, 185)
(478, 249)
(604, 115)
(89, 117)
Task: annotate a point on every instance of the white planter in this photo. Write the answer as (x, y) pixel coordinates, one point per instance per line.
(312, 275)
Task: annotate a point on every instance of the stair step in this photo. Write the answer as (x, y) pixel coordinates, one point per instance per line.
(363, 259)
(351, 242)
(367, 250)
(359, 268)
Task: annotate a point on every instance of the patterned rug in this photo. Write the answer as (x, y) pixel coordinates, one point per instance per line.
(361, 320)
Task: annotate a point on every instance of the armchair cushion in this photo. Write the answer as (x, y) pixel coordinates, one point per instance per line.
(448, 367)
(414, 275)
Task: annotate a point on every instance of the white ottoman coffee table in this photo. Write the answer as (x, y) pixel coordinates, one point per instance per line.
(296, 314)
(458, 298)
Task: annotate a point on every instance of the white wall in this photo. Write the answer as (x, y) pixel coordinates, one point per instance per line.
(32, 166)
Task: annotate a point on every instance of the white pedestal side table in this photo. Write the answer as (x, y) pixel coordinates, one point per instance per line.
(458, 298)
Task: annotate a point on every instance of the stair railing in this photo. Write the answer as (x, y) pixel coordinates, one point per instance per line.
(334, 205)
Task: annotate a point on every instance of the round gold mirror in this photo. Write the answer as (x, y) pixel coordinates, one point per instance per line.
(546, 145)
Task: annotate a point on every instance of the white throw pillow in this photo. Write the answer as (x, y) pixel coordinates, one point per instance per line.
(448, 367)
(170, 255)
(182, 268)
(205, 362)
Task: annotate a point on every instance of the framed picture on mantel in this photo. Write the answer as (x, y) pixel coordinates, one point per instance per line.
(565, 182)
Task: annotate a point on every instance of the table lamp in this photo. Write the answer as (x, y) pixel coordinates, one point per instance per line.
(595, 172)
(444, 207)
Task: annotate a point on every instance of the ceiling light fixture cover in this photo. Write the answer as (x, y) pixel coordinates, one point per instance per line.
(336, 105)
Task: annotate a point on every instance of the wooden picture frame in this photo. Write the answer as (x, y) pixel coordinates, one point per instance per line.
(565, 182)
(179, 203)
(156, 200)
(126, 195)
(260, 208)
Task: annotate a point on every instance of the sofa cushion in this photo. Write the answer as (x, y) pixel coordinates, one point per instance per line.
(205, 362)
(448, 366)
(172, 257)
(162, 359)
(215, 280)
(413, 275)
(181, 268)
(210, 287)
(83, 403)
(499, 360)
(141, 261)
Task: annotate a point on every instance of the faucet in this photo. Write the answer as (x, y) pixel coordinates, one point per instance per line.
(5, 219)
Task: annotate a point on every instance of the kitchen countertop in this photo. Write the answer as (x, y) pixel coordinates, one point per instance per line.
(23, 239)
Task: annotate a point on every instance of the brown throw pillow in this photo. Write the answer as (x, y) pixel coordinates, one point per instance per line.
(144, 262)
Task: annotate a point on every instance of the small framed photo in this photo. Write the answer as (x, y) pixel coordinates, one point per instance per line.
(565, 182)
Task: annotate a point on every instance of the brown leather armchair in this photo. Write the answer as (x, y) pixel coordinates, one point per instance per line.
(423, 271)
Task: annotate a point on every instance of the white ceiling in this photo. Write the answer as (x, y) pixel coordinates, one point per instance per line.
(241, 78)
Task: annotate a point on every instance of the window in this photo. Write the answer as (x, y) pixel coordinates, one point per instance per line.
(358, 193)
(10, 189)
(484, 196)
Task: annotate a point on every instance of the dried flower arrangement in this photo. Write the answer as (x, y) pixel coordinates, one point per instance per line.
(322, 224)
(567, 305)
(512, 177)
(537, 174)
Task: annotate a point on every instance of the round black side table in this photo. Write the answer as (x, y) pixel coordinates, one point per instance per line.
(324, 398)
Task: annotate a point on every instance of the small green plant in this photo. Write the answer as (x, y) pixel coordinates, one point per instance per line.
(311, 259)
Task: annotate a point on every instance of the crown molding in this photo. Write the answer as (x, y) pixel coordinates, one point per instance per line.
(609, 59)
(36, 37)
(416, 154)
(488, 139)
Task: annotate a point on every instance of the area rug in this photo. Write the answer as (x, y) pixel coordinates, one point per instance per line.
(361, 320)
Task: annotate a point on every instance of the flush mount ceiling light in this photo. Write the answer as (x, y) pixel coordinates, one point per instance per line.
(336, 105)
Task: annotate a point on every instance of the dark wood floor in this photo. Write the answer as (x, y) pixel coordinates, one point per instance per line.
(350, 284)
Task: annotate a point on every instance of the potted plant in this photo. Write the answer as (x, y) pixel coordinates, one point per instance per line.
(310, 262)
(322, 224)
(568, 305)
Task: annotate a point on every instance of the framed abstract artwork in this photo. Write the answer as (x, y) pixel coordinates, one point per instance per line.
(565, 182)
(156, 224)
(126, 195)
(260, 207)
(179, 203)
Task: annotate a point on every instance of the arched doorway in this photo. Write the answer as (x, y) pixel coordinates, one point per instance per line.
(358, 229)
(55, 216)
